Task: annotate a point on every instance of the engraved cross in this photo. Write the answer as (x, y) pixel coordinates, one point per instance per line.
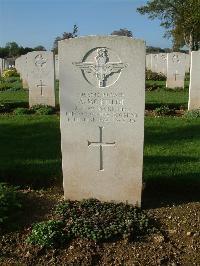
(101, 144)
(175, 76)
(41, 85)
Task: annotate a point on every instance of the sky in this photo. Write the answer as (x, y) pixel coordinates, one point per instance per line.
(38, 22)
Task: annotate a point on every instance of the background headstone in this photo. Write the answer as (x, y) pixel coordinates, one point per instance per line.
(194, 89)
(148, 61)
(102, 88)
(41, 78)
(162, 63)
(24, 71)
(1, 66)
(175, 70)
(154, 62)
(21, 67)
(56, 67)
(187, 63)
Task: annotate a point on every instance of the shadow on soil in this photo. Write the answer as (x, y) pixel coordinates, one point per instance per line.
(170, 192)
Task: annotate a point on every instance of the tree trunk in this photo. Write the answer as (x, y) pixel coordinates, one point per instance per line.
(191, 42)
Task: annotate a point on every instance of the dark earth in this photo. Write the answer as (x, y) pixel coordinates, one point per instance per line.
(176, 212)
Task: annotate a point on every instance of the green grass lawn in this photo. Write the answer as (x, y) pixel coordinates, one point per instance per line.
(172, 150)
(163, 96)
(30, 150)
(17, 97)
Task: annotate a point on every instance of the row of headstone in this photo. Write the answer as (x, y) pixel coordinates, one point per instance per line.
(158, 62)
(102, 92)
(172, 65)
(37, 71)
(6, 64)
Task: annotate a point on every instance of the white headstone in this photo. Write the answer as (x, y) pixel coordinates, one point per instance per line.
(102, 87)
(187, 63)
(194, 90)
(41, 78)
(148, 61)
(162, 63)
(56, 67)
(154, 62)
(24, 71)
(1, 66)
(175, 70)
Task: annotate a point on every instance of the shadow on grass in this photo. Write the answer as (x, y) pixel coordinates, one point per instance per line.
(30, 151)
(177, 106)
(171, 162)
(179, 130)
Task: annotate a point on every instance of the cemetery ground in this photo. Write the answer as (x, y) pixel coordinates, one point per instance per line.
(31, 159)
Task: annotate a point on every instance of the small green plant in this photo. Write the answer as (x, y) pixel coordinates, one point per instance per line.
(21, 111)
(155, 76)
(102, 221)
(12, 79)
(47, 234)
(4, 86)
(10, 73)
(4, 107)
(193, 114)
(151, 87)
(163, 110)
(90, 219)
(10, 83)
(43, 109)
(9, 202)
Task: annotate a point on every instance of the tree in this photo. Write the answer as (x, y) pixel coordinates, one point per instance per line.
(180, 18)
(122, 32)
(66, 35)
(4, 52)
(13, 49)
(39, 48)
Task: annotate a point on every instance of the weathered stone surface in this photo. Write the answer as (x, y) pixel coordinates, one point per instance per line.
(187, 63)
(148, 61)
(41, 78)
(194, 90)
(22, 69)
(175, 70)
(154, 62)
(102, 87)
(1, 66)
(56, 67)
(162, 63)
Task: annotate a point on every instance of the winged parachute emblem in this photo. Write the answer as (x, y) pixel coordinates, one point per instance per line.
(102, 68)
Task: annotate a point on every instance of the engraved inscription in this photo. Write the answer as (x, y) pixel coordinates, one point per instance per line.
(101, 108)
(102, 68)
(100, 144)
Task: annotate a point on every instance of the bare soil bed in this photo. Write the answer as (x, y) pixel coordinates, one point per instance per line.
(177, 215)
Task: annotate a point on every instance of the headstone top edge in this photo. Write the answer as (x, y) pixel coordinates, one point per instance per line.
(101, 37)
